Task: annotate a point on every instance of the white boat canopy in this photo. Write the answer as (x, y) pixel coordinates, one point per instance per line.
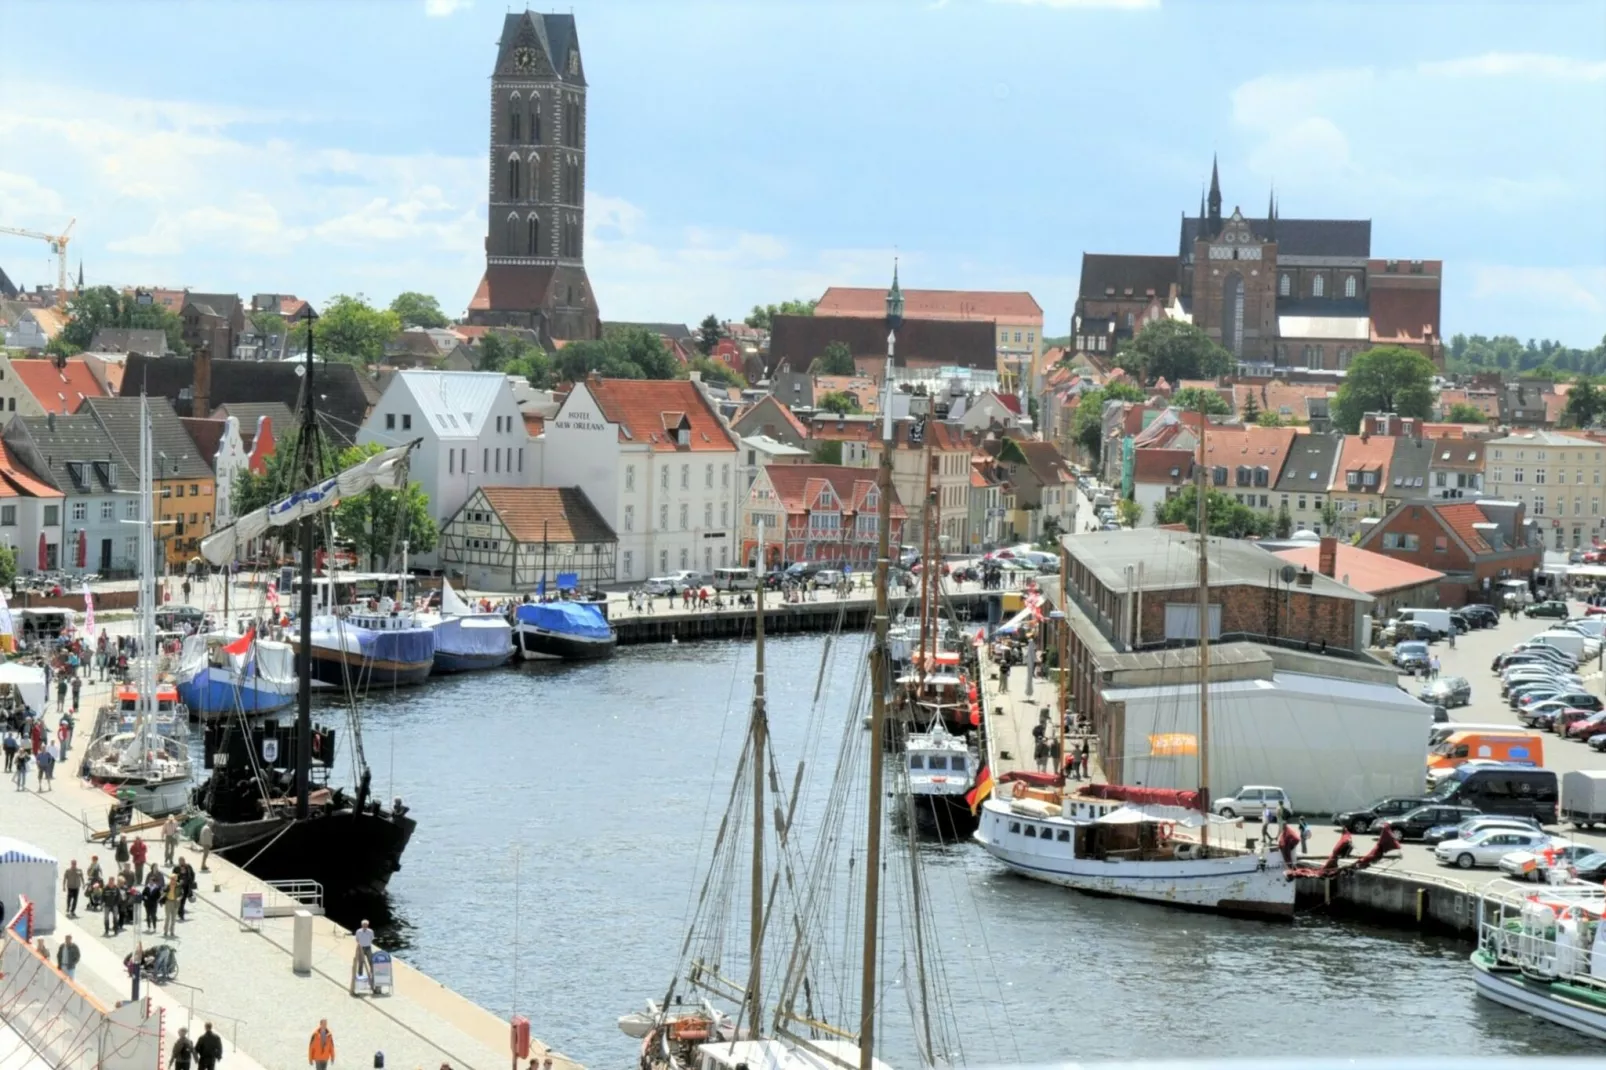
(386, 470)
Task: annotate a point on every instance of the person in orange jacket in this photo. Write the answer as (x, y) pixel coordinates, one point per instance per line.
(321, 1048)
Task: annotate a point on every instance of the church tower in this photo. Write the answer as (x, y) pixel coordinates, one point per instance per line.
(535, 274)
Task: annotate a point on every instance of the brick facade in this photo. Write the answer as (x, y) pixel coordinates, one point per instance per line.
(1470, 572)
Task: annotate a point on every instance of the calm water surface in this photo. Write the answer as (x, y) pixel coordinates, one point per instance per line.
(603, 779)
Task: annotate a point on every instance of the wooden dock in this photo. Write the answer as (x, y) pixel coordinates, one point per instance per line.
(825, 613)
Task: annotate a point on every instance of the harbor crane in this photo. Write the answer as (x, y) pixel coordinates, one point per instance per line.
(58, 245)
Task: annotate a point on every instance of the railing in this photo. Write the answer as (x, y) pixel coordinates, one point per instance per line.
(1304, 646)
(206, 1016)
(289, 896)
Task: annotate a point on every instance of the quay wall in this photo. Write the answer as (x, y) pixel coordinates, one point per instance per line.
(780, 618)
(1421, 902)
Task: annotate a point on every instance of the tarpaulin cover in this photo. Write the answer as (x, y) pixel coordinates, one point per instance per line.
(566, 618)
(484, 633)
(1188, 800)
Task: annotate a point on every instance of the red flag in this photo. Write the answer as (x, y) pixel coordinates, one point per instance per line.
(242, 644)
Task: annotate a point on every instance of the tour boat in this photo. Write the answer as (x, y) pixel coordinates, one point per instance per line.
(221, 674)
(362, 648)
(465, 640)
(1544, 952)
(567, 631)
(940, 767)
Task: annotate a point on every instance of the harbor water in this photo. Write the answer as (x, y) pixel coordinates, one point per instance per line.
(598, 784)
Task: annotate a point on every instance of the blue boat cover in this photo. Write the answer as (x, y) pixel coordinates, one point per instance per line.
(566, 618)
(412, 646)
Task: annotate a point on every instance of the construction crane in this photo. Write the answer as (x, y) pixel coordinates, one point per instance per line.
(58, 245)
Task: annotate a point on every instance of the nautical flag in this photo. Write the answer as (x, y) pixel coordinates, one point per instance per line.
(242, 644)
(273, 595)
(978, 794)
(89, 611)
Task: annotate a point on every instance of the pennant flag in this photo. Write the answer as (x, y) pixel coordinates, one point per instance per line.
(984, 787)
(242, 644)
(89, 611)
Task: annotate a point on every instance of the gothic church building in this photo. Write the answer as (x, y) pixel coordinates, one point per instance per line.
(535, 275)
(1283, 296)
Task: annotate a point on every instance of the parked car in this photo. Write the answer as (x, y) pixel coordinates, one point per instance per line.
(1480, 616)
(1364, 818)
(1552, 608)
(1411, 655)
(1252, 800)
(1414, 824)
(1579, 724)
(1477, 823)
(828, 577)
(175, 618)
(1591, 867)
(1448, 691)
(1542, 715)
(1486, 848)
(1531, 865)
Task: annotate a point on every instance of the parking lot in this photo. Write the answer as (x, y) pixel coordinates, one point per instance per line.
(1471, 658)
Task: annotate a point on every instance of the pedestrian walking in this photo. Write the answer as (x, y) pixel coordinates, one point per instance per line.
(11, 745)
(151, 898)
(77, 686)
(1452, 637)
(67, 956)
(110, 910)
(134, 963)
(36, 735)
(137, 853)
(183, 1051)
(22, 771)
(363, 964)
(321, 1048)
(1433, 667)
(206, 843)
(72, 882)
(64, 733)
(186, 885)
(45, 763)
(1265, 821)
(208, 1049)
(172, 896)
(1304, 836)
(1082, 755)
(169, 840)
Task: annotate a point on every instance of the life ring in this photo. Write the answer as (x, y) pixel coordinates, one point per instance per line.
(1167, 829)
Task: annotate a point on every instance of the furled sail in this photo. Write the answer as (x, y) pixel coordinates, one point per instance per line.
(386, 470)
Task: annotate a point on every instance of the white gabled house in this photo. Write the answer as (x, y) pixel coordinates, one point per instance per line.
(472, 433)
(659, 465)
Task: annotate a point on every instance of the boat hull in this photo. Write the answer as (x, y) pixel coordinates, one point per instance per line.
(471, 643)
(352, 855)
(538, 644)
(338, 668)
(211, 693)
(947, 817)
(448, 662)
(1510, 988)
(1238, 884)
(156, 798)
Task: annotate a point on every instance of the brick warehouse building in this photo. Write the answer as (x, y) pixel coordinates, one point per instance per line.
(535, 275)
(1281, 295)
(1475, 544)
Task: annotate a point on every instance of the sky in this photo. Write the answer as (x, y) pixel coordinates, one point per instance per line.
(754, 152)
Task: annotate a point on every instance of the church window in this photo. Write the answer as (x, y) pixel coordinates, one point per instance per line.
(533, 246)
(1232, 314)
(513, 235)
(513, 178)
(535, 121)
(574, 62)
(1349, 286)
(1318, 286)
(1129, 322)
(513, 132)
(1284, 284)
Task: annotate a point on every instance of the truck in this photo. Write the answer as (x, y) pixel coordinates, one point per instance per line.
(1436, 620)
(1583, 797)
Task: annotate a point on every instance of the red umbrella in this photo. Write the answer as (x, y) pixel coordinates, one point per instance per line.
(44, 550)
(83, 548)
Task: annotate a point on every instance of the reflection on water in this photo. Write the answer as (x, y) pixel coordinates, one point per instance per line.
(606, 777)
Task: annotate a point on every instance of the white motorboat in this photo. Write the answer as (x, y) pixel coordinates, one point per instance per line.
(940, 768)
(1544, 952)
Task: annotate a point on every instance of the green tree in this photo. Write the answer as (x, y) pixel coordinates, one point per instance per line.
(1386, 379)
(1087, 426)
(621, 353)
(269, 323)
(709, 332)
(1128, 512)
(826, 451)
(1173, 350)
(1329, 516)
(1267, 418)
(838, 360)
(1226, 517)
(714, 371)
(1251, 413)
(511, 355)
(1285, 521)
(418, 310)
(8, 565)
(1584, 404)
(375, 522)
(101, 306)
(838, 401)
(1192, 398)
(763, 315)
(349, 328)
(1465, 413)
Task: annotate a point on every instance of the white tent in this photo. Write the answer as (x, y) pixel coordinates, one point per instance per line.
(25, 870)
(29, 680)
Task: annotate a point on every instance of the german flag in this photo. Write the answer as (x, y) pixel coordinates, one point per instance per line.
(978, 794)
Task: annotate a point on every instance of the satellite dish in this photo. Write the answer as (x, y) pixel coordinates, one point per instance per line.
(1288, 573)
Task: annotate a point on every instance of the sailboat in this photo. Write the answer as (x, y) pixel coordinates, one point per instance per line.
(1137, 842)
(219, 674)
(266, 813)
(143, 765)
(466, 640)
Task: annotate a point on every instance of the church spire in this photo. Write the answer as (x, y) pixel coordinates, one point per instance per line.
(80, 274)
(1215, 198)
(1271, 214)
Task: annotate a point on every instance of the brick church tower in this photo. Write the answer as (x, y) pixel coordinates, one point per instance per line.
(535, 274)
(1229, 275)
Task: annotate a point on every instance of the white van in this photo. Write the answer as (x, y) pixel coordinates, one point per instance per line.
(1437, 620)
(1569, 643)
(1514, 592)
(735, 579)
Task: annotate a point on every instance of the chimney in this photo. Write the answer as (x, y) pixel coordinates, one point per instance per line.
(1327, 556)
(201, 388)
(50, 420)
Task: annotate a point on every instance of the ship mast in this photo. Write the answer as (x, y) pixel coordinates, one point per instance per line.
(1203, 520)
(146, 705)
(926, 580)
(309, 462)
(760, 736)
(880, 665)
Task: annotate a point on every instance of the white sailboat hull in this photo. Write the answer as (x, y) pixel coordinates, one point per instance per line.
(154, 798)
(1509, 989)
(1230, 884)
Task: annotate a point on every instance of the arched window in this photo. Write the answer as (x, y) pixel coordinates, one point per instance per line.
(535, 120)
(1349, 286)
(1232, 314)
(513, 178)
(1318, 286)
(513, 235)
(533, 245)
(513, 133)
(1284, 286)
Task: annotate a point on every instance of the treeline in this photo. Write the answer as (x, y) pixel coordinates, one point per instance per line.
(1504, 353)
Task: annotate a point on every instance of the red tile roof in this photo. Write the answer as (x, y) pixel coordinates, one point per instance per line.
(1485, 401)
(651, 411)
(1253, 446)
(1155, 466)
(1459, 519)
(931, 304)
(1371, 455)
(798, 485)
(556, 514)
(16, 481)
(206, 434)
(534, 423)
(1284, 399)
(1009, 401)
(1375, 574)
(59, 390)
(839, 429)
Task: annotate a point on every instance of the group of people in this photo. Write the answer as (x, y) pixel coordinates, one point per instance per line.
(132, 887)
(35, 745)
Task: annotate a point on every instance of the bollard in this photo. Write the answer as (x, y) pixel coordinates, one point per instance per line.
(301, 944)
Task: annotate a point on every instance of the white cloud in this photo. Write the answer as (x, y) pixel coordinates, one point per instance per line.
(438, 9)
(1572, 290)
(1517, 64)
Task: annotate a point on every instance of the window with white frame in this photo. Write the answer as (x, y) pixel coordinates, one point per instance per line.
(685, 516)
(108, 510)
(630, 477)
(1516, 475)
(663, 560)
(630, 518)
(708, 477)
(708, 515)
(663, 518)
(685, 477)
(1539, 505)
(80, 510)
(663, 478)
(628, 561)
